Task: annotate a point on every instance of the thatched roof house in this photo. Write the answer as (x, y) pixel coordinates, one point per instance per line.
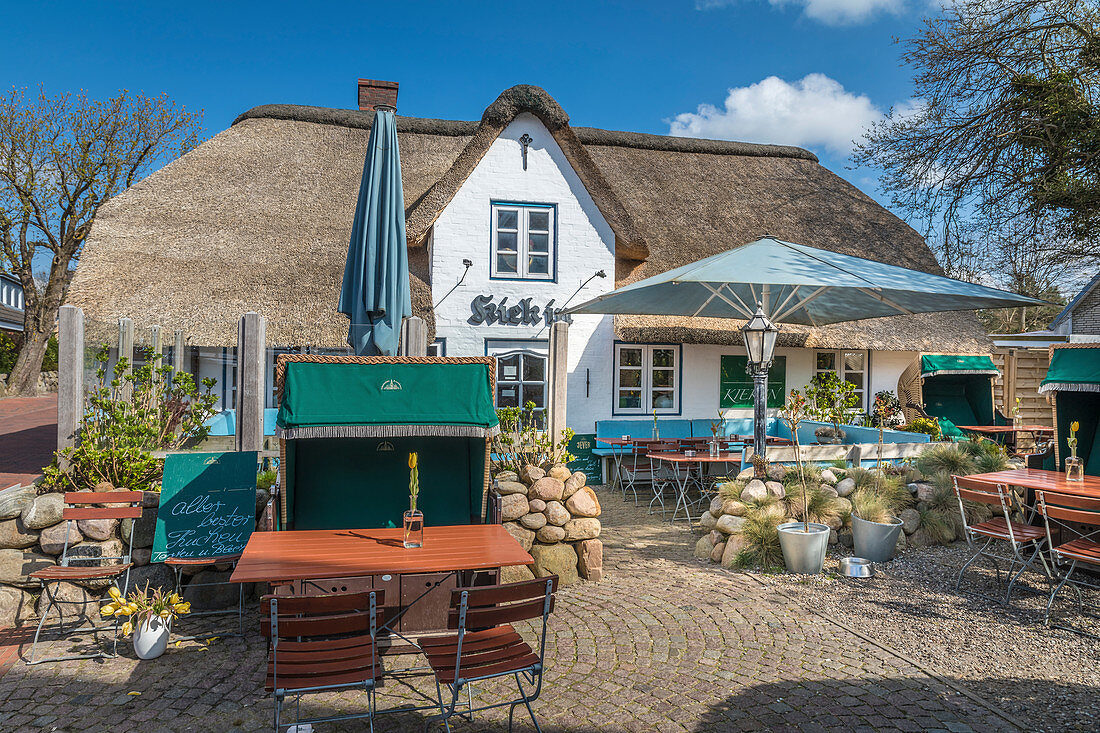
(258, 218)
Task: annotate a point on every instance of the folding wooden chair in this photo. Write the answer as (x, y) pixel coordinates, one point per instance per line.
(486, 646)
(663, 473)
(178, 564)
(637, 468)
(321, 643)
(123, 505)
(1019, 537)
(1079, 517)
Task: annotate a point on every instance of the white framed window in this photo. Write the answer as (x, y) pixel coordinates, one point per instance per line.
(438, 347)
(521, 373)
(851, 366)
(524, 241)
(647, 378)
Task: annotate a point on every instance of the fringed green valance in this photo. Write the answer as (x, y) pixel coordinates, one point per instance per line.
(1073, 370)
(386, 431)
(934, 364)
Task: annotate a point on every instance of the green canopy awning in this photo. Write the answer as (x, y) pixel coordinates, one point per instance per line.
(933, 364)
(1073, 370)
(327, 400)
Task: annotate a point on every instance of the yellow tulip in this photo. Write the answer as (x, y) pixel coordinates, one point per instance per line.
(122, 611)
(108, 610)
(412, 460)
(174, 598)
(1074, 426)
(127, 628)
(114, 592)
(165, 614)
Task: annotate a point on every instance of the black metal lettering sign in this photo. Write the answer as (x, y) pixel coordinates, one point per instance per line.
(484, 310)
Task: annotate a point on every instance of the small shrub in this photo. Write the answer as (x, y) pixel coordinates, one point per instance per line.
(265, 479)
(837, 463)
(928, 426)
(986, 455)
(945, 459)
(761, 534)
(864, 478)
(937, 526)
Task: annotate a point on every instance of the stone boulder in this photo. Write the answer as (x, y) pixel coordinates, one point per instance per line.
(523, 536)
(590, 559)
(157, 575)
(141, 528)
(533, 521)
(755, 490)
(746, 474)
(844, 537)
(504, 488)
(513, 506)
(728, 523)
(559, 560)
(97, 529)
(776, 489)
(211, 597)
(550, 534)
(537, 505)
(507, 476)
(708, 521)
(141, 555)
(734, 507)
(846, 486)
(920, 538)
(716, 537)
(150, 499)
(734, 545)
(16, 565)
(903, 542)
(530, 473)
(104, 486)
(828, 476)
(560, 471)
(844, 506)
(828, 491)
(14, 500)
(13, 535)
(716, 505)
(910, 520)
(73, 600)
(716, 553)
(515, 574)
(833, 537)
(777, 472)
(556, 513)
(547, 488)
(52, 539)
(16, 607)
(573, 483)
(582, 529)
(704, 547)
(584, 503)
(923, 492)
(44, 511)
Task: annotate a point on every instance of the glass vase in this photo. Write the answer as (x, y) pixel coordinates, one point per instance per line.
(414, 528)
(656, 435)
(1075, 469)
(714, 447)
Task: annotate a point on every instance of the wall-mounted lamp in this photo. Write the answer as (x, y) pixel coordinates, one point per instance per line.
(468, 263)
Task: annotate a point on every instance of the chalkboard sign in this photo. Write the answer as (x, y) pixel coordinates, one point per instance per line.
(207, 505)
(735, 385)
(586, 461)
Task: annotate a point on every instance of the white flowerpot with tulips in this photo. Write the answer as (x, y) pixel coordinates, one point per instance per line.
(149, 617)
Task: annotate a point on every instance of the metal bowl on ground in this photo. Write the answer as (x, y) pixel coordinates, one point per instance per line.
(856, 567)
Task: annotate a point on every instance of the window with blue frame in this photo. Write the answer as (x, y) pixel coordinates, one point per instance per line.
(647, 379)
(523, 241)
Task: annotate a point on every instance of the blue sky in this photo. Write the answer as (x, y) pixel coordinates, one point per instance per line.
(807, 72)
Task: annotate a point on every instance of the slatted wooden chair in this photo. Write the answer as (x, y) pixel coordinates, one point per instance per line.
(664, 474)
(321, 643)
(486, 646)
(1077, 517)
(1021, 538)
(82, 505)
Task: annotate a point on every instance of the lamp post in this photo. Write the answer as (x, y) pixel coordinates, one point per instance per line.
(760, 334)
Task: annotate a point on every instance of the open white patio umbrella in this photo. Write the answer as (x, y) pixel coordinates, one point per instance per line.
(796, 284)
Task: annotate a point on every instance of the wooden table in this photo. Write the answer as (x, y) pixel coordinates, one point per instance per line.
(314, 562)
(681, 471)
(1009, 430)
(1037, 478)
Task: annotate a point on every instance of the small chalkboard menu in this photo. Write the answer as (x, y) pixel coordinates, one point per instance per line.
(585, 460)
(207, 505)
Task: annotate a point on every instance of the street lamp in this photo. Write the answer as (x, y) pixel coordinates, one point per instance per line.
(760, 334)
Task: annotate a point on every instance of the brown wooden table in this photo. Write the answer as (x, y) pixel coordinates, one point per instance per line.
(1038, 478)
(1012, 431)
(353, 560)
(681, 472)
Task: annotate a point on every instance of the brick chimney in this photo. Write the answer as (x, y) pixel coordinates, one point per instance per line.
(373, 92)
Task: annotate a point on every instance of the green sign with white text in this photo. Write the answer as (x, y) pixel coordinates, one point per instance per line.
(585, 460)
(735, 384)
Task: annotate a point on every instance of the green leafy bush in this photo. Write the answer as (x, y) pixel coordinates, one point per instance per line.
(522, 440)
(266, 479)
(125, 420)
(925, 425)
(9, 352)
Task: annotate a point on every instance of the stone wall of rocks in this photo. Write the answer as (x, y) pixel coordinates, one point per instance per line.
(554, 514)
(47, 383)
(32, 537)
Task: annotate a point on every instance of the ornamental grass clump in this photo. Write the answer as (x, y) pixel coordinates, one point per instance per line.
(760, 533)
(946, 458)
(814, 505)
(731, 490)
(986, 455)
(141, 607)
(871, 506)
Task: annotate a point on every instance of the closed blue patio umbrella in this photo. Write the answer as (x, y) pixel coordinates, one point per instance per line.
(375, 293)
(771, 280)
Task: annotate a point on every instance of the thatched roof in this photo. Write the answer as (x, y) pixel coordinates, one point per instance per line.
(259, 216)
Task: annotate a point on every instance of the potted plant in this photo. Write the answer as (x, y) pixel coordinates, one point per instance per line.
(875, 529)
(715, 428)
(803, 543)
(829, 399)
(149, 617)
(885, 411)
(413, 518)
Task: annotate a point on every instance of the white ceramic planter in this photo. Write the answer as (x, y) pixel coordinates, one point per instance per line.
(151, 638)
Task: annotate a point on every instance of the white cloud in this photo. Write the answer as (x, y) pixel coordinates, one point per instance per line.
(815, 111)
(829, 12)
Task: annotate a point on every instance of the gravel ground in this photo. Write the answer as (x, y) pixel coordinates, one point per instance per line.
(1047, 678)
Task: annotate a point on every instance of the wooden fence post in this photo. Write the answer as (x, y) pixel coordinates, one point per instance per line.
(557, 379)
(251, 347)
(157, 347)
(177, 353)
(414, 337)
(126, 351)
(70, 374)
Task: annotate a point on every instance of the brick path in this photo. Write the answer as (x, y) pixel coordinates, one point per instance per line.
(663, 643)
(28, 437)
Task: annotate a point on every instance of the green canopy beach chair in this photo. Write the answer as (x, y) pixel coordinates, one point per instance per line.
(347, 424)
(956, 389)
(1072, 386)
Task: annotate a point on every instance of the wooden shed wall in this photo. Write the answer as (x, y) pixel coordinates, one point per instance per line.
(1022, 370)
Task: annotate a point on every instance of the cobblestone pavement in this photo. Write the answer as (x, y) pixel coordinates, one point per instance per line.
(28, 437)
(663, 643)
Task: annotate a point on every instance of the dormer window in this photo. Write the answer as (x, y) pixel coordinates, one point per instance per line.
(524, 242)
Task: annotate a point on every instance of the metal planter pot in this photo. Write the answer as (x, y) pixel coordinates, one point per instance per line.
(804, 552)
(873, 540)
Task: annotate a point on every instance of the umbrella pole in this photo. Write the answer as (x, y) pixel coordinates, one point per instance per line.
(759, 405)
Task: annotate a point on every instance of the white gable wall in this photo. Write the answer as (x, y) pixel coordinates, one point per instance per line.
(585, 244)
